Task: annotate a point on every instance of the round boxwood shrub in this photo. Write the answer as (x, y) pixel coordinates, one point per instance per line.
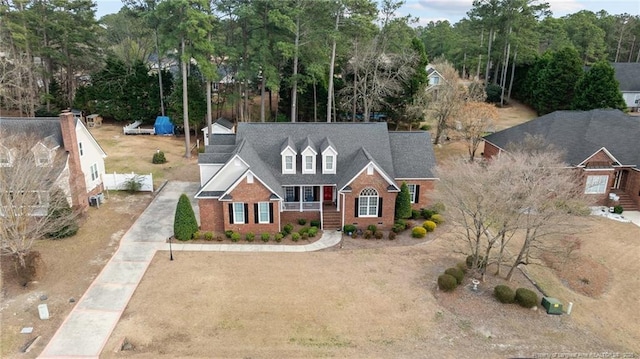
(504, 294)
(315, 223)
(313, 231)
(278, 237)
(378, 235)
(455, 273)
(447, 282)
(418, 232)
(288, 228)
(208, 236)
(302, 221)
(462, 266)
(430, 226)
(372, 227)
(265, 237)
(235, 236)
(349, 228)
(526, 297)
(437, 218)
(295, 236)
(250, 237)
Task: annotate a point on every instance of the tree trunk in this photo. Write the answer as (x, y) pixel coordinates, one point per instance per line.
(315, 101)
(294, 86)
(159, 73)
(513, 72)
(489, 43)
(332, 63)
(505, 66)
(185, 104)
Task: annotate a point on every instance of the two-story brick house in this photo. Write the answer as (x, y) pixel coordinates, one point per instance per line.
(604, 145)
(270, 174)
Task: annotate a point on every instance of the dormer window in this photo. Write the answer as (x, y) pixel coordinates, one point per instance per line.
(288, 161)
(329, 160)
(309, 161)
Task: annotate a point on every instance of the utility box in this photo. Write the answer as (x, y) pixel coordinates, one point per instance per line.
(552, 305)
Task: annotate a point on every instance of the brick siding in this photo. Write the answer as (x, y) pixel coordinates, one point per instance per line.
(79, 195)
(250, 193)
(388, 202)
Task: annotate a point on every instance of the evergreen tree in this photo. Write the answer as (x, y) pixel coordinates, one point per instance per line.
(598, 88)
(403, 202)
(557, 80)
(184, 224)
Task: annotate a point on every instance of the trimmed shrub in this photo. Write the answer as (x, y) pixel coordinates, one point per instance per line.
(368, 234)
(415, 214)
(437, 218)
(392, 235)
(304, 230)
(184, 222)
(295, 236)
(462, 266)
(373, 228)
(427, 213)
(526, 298)
(235, 237)
(159, 158)
(304, 235)
(403, 202)
(250, 236)
(618, 209)
(208, 236)
(504, 294)
(302, 221)
(313, 231)
(288, 228)
(228, 233)
(265, 237)
(455, 273)
(430, 226)
(197, 235)
(418, 232)
(378, 235)
(447, 282)
(349, 228)
(278, 237)
(315, 223)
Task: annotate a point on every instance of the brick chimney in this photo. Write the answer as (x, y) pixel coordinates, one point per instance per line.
(79, 197)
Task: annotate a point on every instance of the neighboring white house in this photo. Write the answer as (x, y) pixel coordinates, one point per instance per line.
(80, 176)
(628, 76)
(220, 126)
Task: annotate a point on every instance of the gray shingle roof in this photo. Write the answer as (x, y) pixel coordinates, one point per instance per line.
(224, 122)
(261, 144)
(628, 75)
(580, 134)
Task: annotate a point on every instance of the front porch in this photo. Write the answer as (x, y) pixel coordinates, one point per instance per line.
(309, 198)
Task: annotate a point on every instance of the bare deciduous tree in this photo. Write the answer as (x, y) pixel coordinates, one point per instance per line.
(446, 98)
(31, 197)
(531, 195)
(474, 119)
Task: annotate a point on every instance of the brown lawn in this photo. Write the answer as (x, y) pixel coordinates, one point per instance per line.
(369, 300)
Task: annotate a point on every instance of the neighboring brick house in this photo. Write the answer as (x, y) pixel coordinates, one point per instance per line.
(270, 174)
(82, 166)
(603, 144)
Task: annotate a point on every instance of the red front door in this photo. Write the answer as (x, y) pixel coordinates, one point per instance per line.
(328, 194)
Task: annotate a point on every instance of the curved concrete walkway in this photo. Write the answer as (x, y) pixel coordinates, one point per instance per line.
(85, 331)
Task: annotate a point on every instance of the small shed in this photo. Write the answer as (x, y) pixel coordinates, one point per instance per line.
(163, 126)
(220, 126)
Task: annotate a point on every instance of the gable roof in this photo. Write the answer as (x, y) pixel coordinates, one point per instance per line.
(628, 75)
(580, 134)
(224, 123)
(260, 145)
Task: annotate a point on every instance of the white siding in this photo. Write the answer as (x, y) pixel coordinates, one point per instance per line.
(92, 154)
(207, 171)
(226, 176)
(630, 98)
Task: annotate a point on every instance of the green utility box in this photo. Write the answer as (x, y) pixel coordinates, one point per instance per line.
(552, 305)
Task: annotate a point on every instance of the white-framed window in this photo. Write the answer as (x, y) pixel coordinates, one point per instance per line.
(368, 203)
(308, 194)
(94, 171)
(308, 163)
(596, 184)
(81, 149)
(238, 213)
(412, 192)
(288, 163)
(263, 212)
(289, 194)
(329, 164)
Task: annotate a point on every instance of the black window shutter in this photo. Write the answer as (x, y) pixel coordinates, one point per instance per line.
(270, 212)
(246, 213)
(380, 207)
(231, 213)
(417, 193)
(255, 213)
(356, 207)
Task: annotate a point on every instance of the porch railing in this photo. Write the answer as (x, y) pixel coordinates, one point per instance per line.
(301, 206)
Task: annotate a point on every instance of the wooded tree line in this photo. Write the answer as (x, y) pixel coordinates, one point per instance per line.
(327, 59)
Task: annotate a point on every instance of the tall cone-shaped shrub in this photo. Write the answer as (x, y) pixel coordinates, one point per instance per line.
(184, 223)
(403, 202)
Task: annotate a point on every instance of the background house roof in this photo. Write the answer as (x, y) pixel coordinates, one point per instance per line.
(357, 144)
(628, 75)
(580, 134)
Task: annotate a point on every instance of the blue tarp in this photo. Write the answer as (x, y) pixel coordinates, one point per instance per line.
(163, 126)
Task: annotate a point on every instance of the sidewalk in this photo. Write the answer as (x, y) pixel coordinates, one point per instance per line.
(87, 328)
